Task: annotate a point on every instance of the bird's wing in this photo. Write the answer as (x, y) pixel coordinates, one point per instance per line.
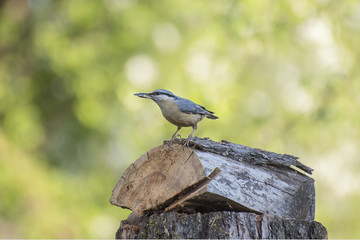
(190, 107)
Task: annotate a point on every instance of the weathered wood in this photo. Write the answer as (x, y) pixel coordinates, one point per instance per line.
(240, 152)
(218, 225)
(216, 177)
(152, 182)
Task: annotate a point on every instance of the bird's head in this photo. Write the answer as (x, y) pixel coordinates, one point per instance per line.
(157, 95)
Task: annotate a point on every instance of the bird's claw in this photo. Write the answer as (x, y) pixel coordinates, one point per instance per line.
(186, 144)
(170, 143)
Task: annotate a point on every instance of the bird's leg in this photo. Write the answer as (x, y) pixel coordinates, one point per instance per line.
(190, 136)
(173, 137)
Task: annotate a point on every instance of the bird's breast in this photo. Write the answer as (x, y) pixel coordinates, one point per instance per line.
(172, 113)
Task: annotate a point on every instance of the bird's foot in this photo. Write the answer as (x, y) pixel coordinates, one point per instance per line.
(170, 143)
(172, 140)
(186, 144)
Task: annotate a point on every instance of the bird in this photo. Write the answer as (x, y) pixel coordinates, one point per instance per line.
(179, 111)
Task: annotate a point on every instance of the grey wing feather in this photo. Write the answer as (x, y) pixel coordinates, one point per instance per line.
(188, 106)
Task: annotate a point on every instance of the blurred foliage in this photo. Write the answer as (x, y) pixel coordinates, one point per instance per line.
(281, 75)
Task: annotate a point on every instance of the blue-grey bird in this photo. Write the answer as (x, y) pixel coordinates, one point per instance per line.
(178, 111)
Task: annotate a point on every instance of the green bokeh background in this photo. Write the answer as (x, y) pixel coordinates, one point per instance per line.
(282, 75)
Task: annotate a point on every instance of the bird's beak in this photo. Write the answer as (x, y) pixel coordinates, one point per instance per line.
(143, 95)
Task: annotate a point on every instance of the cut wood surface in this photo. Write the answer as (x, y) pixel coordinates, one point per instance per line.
(216, 177)
(218, 225)
(152, 182)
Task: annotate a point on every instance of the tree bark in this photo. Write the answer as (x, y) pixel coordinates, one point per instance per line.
(218, 225)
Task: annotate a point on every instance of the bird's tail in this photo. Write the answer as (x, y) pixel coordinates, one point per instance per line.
(211, 116)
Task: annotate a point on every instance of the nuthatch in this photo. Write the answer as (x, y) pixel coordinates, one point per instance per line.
(178, 111)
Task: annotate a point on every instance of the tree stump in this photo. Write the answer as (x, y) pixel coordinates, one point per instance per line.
(218, 225)
(232, 181)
